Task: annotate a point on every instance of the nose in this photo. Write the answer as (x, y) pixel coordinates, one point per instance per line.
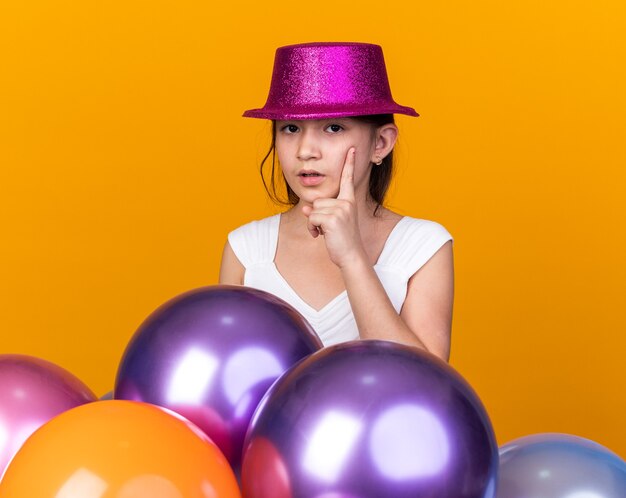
(308, 148)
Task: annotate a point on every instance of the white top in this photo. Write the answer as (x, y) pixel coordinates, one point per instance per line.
(410, 244)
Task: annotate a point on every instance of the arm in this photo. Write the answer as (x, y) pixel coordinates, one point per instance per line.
(426, 316)
(231, 269)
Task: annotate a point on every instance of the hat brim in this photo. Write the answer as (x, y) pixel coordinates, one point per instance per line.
(326, 112)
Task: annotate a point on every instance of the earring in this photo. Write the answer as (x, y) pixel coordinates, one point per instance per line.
(378, 162)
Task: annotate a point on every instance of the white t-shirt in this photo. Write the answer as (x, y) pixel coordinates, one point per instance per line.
(410, 244)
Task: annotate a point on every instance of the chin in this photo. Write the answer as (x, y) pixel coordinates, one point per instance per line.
(313, 196)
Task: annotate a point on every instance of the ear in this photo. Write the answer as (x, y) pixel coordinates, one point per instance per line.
(386, 136)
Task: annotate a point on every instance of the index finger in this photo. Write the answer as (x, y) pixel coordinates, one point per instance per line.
(346, 187)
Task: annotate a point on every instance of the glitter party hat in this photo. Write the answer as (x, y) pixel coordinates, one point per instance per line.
(329, 80)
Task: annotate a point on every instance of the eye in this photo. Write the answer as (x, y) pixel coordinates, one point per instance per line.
(334, 128)
(289, 128)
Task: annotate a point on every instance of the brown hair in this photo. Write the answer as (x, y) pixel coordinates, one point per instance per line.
(380, 176)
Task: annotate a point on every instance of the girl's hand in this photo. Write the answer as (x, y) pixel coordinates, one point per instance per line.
(336, 219)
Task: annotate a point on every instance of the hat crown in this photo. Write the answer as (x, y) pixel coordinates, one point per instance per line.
(327, 79)
(323, 74)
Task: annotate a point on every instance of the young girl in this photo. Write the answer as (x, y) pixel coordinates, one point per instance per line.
(352, 267)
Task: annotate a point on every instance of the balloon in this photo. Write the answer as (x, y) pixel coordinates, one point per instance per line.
(119, 449)
(211, 354)
(559, 466)
(32, 391)
(370, 419)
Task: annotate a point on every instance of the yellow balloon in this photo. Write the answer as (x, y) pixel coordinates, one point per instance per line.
(119, 449)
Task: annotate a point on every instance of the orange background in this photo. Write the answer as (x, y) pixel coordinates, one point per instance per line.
(125, 162)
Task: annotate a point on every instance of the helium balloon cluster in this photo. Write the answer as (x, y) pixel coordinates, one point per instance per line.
(187, 386)
(226, 391)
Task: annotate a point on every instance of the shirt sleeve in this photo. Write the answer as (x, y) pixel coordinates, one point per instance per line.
(252, 243)
(238, 242)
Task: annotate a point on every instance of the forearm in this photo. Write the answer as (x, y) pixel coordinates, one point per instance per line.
(375, 316)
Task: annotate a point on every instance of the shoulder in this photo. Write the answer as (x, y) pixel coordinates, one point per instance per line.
(254, 233)
(411, 224)
(413, 242)
(255, 225)
(409, 227)
(425, 228)
(255, 241)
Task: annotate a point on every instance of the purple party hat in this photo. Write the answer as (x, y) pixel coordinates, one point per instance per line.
(329, 80)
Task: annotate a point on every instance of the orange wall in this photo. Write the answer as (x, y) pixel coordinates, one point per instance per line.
(125, 162)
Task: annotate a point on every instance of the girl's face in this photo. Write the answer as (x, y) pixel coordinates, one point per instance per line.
(312, 153)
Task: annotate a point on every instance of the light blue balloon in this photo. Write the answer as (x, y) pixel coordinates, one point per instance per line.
(559, 466)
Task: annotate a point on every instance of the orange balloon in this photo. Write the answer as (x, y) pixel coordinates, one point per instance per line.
(119, 449)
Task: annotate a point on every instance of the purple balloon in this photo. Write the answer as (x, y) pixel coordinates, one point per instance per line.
(370, 419)
(211, 354)
(33, 391)
(554, 465)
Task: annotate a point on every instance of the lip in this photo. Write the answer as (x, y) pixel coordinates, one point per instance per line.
(310, 181)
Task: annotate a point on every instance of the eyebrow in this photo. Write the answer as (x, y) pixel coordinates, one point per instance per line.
(297, 122)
